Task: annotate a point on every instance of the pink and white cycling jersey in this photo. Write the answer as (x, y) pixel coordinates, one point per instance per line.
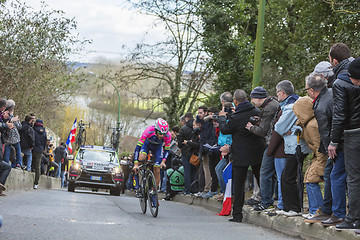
(150, 136)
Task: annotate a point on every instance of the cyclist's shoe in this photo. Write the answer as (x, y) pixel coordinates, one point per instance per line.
(154, 202)
(136, 181)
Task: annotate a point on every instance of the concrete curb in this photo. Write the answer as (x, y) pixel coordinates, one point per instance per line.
(19, 180)
(293, 226)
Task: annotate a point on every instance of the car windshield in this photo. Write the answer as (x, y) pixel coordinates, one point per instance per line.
(102, 156)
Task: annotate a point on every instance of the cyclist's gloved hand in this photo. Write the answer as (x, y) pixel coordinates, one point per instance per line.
(163, 165)
(135, 169)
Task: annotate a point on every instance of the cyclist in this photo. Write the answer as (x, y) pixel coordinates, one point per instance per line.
(152, 139)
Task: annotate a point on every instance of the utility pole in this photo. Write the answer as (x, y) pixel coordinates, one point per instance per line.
(259, 45)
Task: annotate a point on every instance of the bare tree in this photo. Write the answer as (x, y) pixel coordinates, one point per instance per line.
(174, 71)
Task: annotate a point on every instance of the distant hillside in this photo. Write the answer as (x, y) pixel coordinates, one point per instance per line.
(128, 143)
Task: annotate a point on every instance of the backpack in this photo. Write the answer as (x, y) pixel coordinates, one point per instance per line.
(176, 178)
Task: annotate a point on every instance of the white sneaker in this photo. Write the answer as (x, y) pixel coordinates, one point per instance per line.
(292, 213)
(280, 212)
(307, 215)
(198, 194)
(35, 186)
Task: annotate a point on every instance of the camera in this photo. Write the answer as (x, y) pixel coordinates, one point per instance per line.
(215, 117)
(228, 110)
(253, 120)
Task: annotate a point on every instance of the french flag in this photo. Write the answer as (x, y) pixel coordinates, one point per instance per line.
(226, 209)
(71, 137)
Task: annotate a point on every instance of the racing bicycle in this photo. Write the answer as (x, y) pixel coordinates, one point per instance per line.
(115, 136)
(147, 189)
(81, 136)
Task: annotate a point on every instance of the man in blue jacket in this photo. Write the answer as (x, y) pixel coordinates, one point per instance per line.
(287, 128)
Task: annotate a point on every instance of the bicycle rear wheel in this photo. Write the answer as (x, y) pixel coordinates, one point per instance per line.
(152, 194)
(84, 138)
(143, 197)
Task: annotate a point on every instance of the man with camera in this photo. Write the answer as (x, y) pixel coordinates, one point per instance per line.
(207, 136)
(246, 148)
(262, 126)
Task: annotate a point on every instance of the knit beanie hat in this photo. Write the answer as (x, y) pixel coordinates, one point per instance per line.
(354, 69)
(258, 92)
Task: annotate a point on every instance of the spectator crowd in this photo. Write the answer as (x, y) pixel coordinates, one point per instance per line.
(273, 136)
(24, 145)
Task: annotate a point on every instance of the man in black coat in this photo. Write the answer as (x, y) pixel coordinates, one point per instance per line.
(186, 134)
(346, 122)
(207, 136)
(60, 156)
(39, 148)
(246, 149)
(27, 137)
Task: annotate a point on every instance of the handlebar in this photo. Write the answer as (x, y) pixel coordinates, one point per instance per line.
(81, 124)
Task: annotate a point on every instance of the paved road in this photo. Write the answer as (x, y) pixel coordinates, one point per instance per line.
(58, 214)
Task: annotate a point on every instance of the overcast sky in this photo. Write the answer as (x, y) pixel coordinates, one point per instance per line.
(108, 23)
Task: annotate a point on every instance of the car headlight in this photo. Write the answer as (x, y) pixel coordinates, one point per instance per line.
(116, 170)
(77, 166)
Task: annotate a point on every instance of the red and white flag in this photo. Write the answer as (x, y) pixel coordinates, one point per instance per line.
(71, 137)
(227, 174)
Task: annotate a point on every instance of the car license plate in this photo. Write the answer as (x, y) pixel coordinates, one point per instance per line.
(95, 178)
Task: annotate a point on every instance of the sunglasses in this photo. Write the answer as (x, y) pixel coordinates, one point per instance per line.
(159, 133)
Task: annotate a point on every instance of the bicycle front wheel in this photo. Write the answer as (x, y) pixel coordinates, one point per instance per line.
(142, 190)
(152, 194)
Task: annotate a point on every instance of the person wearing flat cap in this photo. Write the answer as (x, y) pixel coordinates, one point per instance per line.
(269, 106)
(326, 69)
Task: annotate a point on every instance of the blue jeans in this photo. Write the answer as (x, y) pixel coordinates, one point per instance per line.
(58, 172)
(164, 181)
(267, 172)
(314, 196)
(327, 202)
(63, 179)
(279, 167)
(18, 154)
(28, 154)
(5, 169)
(219, 169)
(338, 186)
(189, 172)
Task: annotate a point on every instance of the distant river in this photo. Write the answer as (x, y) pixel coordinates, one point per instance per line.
(133, 126)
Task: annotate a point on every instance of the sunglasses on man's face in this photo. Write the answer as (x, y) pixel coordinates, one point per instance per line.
(160, 133)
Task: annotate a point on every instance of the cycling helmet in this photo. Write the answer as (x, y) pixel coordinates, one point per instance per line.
(161, 125)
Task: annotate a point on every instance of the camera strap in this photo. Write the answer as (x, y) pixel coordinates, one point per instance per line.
(266, 102)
